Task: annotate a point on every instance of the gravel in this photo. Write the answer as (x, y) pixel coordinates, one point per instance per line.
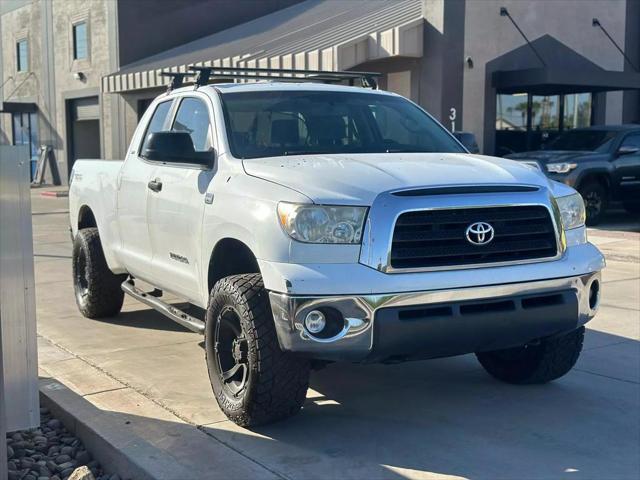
(50, 452)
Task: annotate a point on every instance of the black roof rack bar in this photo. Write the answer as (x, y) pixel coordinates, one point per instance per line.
(177, 78)
(267, 77)
(205, 73)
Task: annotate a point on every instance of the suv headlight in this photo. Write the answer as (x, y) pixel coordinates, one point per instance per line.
(562, 167)
(572, 211)
(322, 223)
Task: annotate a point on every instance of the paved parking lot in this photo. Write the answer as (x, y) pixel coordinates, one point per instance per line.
(436, 419)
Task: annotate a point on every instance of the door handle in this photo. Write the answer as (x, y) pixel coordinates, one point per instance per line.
(155, 185)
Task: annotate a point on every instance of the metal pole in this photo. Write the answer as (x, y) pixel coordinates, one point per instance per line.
(3, 421)
(505, 13)
(596, 23)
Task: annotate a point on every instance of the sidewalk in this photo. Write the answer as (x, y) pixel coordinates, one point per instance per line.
(437, 419)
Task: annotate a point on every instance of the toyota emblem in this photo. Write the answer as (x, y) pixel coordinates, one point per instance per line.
(479, 233)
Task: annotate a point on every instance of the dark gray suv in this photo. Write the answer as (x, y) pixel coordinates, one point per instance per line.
(601, 162)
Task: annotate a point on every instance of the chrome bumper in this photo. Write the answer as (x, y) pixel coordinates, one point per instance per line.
(359, 340)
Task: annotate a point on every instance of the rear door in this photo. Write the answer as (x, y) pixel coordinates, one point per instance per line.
(175, 212)
(627, 169)
(133, 192)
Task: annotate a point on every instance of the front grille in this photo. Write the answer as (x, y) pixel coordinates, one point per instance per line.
(437, 238)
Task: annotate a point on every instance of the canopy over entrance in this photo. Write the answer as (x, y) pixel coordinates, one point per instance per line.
(565, 71)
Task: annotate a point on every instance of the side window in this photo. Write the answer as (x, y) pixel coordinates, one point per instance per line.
(193, 118)
(632, 140)
(157, 121)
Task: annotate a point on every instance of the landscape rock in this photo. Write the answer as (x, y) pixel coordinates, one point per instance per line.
(50, 452)
(82, 473)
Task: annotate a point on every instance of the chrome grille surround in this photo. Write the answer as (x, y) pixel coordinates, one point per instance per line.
(388, 206)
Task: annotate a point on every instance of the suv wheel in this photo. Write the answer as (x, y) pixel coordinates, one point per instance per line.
(97, 290)
(596, 200)
(546, 360)
(253, 380)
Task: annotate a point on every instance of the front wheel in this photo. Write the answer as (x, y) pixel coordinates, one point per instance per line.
(541, 362)
(253, 380)
(596, 200)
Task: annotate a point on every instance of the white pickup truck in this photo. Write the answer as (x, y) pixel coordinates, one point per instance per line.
(318, 222)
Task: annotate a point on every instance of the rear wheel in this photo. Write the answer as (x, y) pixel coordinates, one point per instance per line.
(540, 362)
(596, 200)
(253, 380)
(97, 289)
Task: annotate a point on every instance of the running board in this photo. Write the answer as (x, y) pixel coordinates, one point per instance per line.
(169, 311)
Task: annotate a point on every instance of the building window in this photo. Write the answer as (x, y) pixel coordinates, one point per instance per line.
(577, 110)
(22, 55)
(527, 122)
(80, 45)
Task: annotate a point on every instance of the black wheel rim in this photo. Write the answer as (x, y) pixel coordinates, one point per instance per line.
(231, 352)
(593, 203)
(81, 275)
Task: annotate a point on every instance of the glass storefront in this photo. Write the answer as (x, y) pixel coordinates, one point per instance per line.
(527, 122)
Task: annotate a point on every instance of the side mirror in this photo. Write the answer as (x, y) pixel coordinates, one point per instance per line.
(628, 150)
(175, 147)
(468, 140)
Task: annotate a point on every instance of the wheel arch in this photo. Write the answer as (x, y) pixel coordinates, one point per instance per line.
(230, 256)
(86, 218)
(600, 176)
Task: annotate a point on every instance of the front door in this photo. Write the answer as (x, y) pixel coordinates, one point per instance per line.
(133, 193)
(176, 210)
(627, 169)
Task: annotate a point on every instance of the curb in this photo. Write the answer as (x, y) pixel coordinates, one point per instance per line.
(50, 193)
(118, 452)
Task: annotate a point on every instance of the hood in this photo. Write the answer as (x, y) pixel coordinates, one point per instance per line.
(552, 156)
(358, 179)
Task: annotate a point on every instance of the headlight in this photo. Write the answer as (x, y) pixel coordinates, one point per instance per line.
(572, 211)
(563, 167)
(322, 223)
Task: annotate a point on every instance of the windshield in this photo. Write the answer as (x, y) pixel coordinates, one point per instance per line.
(588, 140)
(267, 124)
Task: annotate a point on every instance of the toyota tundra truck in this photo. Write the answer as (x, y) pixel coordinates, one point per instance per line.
(315, 222)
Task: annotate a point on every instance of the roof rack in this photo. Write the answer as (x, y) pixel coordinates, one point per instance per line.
(177, 78)
(205, 74)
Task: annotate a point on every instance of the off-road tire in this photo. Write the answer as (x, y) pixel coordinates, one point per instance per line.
(541, 362)
(97, 289)
(592, 191)
(276, 381)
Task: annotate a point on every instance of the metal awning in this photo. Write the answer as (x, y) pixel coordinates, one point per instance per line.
(18, 107)
(314, 35)
(564, 71)
(554, 81)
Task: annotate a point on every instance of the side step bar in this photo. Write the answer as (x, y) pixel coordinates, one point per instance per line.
(178, 316)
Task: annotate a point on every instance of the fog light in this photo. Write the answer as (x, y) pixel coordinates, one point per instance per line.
(315, 321)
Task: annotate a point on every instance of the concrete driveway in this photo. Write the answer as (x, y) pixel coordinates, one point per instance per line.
(436, 419)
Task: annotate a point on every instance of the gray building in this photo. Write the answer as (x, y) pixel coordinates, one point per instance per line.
(460, 59)
(54, 54)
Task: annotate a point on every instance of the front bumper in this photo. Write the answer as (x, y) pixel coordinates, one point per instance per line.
(437, 323)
